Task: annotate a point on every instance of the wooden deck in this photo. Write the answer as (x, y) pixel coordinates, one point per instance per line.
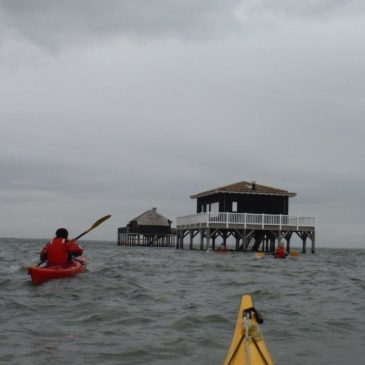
(245, 220)
(252, 232)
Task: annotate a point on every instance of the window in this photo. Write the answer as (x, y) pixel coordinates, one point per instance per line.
(234, 206)
(214, 207)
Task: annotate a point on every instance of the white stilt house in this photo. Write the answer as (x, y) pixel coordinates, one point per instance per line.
(256, 216)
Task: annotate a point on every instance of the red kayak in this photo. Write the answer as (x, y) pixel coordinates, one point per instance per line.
(41, 274)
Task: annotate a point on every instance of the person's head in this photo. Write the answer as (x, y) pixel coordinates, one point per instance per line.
(62, 233)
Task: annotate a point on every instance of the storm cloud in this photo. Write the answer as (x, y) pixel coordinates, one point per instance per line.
(119, 106)
(52, 23)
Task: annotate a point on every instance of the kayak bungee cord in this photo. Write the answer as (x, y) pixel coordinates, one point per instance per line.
(259, 351)
(246, 320)
(236, 349)
(250, 332)
(248, 345)
(253, 333)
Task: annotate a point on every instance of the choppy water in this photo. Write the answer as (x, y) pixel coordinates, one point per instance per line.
(164, 306)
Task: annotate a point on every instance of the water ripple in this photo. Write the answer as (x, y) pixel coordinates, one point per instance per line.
(164, 306)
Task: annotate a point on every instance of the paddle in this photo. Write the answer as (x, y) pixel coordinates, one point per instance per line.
(97, 223)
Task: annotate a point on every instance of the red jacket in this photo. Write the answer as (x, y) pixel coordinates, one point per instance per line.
(59, 250)
(280, 253)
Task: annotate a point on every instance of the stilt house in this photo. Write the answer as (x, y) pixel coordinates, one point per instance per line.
(148, 229)
(256, 216)
(244, 197)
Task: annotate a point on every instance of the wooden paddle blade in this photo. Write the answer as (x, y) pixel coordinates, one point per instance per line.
(98, 222)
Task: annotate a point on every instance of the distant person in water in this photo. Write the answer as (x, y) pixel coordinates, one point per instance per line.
(280, 252)
(222, 247)
(60, 250)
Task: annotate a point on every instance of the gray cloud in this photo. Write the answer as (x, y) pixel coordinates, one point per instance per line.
(312, 8)
(135, 116)
(50, 23)
(53, 24)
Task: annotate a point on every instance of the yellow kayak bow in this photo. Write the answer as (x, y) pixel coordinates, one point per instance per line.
(248, 346)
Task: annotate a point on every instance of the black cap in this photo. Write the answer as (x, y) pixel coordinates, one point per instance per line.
(62, 233)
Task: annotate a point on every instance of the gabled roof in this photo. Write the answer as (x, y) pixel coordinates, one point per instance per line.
(244, 187)
(151, 218)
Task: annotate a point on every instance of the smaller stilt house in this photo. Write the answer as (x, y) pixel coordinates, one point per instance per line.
(148, 229)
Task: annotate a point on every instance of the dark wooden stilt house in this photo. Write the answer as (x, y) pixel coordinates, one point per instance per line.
(244, 197)
(256, 216)
(148, 229)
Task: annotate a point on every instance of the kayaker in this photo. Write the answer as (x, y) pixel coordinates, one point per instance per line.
(280, 252)
(60, 250)
(222, 247)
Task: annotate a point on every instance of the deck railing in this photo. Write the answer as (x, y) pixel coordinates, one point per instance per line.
(244, 219)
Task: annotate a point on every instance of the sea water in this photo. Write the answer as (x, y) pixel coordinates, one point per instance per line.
(145, 305)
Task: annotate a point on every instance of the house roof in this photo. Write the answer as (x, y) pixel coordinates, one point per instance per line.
(244, 187)
(152, 218)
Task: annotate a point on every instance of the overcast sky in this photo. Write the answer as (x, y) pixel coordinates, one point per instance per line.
(115, 107)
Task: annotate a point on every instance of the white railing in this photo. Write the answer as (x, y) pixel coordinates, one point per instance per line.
(211, 218)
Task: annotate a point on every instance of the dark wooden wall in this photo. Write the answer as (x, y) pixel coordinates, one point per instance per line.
(153, 230)
(246, 203)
